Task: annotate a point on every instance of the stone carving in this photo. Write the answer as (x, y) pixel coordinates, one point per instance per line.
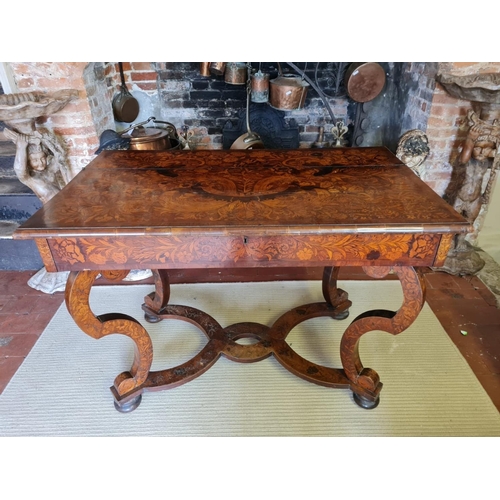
(465, 191)
(413, 149)
(479, 147)
(41, 162)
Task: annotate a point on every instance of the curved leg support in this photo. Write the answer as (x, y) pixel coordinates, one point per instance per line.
(127, 386)
(335, 297)
(365, 382)
(158, 299)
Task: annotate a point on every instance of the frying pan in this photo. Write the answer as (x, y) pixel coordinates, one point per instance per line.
(125, 106)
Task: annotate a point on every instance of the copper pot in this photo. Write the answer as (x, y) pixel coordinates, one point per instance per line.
(152, 138)
(205, 69)
(217, 68)
(260, 87)
(149, 138)
(288, 92)
(236, 73)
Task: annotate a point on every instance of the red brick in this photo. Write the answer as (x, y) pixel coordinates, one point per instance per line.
(144, 76)
(141, 66)
(444, 98)
(439, 120)
(146, 86)
(71, 131)
(25, 83)
(49, 83)
(77, 106)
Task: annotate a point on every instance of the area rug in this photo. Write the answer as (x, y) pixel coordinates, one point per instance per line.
(62, 388)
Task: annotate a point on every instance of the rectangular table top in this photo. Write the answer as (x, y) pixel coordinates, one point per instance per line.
(313, 191)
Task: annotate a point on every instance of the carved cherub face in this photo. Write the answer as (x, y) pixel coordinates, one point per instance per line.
(38, 161)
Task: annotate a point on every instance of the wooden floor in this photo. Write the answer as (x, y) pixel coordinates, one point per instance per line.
(464, 306)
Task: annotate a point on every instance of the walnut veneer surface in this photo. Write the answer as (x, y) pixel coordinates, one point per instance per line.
(204, 208)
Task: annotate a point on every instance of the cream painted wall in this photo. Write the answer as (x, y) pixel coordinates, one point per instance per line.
(489, 236)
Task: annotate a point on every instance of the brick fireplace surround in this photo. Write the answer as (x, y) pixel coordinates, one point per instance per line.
(177, 93)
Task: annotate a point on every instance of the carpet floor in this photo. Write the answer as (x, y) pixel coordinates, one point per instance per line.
(62, 388)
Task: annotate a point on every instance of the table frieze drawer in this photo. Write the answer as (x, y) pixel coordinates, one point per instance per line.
(189, 251)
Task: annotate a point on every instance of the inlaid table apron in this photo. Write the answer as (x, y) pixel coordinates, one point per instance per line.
(244, 209)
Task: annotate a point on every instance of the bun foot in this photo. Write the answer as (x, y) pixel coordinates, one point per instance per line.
(129, 405)
(342, 315)
(150, 318)
(365, 403)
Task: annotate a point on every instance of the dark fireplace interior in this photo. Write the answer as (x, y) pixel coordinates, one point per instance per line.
(217, 110)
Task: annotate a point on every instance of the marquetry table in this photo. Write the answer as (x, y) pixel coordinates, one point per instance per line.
(244, 209)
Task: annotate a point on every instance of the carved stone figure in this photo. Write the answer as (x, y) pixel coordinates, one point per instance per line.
(465, 191)
(413, 149)
(40, 162)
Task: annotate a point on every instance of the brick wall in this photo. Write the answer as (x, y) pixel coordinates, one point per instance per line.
(206, 104)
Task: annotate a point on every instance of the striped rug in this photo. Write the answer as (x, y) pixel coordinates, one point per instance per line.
(62, 388)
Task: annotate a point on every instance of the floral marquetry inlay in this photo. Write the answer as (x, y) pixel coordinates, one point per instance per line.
(189, 251)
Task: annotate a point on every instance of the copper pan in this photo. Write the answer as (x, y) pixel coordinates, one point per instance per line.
(249, 140)
(125, 106)
(364, 81)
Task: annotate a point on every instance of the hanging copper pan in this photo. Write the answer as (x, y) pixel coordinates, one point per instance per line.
(364, 81)
(248, 140)
(125, 106)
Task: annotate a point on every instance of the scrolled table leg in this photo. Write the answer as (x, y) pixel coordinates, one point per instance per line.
(127, 386)
(334, 296)
(365, 382)
(158, 299)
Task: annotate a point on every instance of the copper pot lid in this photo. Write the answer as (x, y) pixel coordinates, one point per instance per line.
(142, 134)
(364, 81)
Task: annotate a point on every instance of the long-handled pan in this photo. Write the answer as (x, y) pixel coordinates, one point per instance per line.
(249, 140)
(125, 106)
